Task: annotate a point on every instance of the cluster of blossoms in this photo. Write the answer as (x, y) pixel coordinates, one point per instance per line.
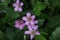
(28, 20)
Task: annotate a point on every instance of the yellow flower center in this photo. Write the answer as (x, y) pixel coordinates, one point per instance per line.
(29, 19)
(19, 22)
(33, 32)
(19, 6)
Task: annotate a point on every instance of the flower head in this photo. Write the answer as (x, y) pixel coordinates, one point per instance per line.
(18, 5)
(29, 19)
(19, 24)
(32, 32)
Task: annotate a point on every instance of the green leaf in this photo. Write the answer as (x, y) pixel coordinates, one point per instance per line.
(54, 22)
(3, 36)
(56, 3)
(44, 16)
(33, 2)
(53, 3)
(38, 8)
(41, 21)
(19, 35)
(39, 37)
(10, 33)
(5, 2)
(55, 34)
(11, 14)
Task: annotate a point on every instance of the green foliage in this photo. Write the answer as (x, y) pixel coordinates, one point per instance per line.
(41, 21)
(11, 14)
(54, 22)
(3, 36)
(53, 3)
(39, 6)
(55, 34)
(47, 13)
(39, 38)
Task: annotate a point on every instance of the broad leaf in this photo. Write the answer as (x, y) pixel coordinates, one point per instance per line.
(53, 3)
(39, 37)
(11, 14)
(38, 8)
(3, 36)
(54, 22)
(55, 34)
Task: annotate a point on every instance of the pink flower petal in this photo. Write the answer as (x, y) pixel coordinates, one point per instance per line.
(35, 28)
(17, 1)
(31, 37)
(14, 4)
(17, 26)
(21, 4)
(27, 32)
(16, 21)
(24, 18)
(27, 23)
(37, 33)
(32, 22)
(30, 27)
(20, 9)
(22, 26)
(16, 8)
(35, 21)
(28, 14)
(33, 17)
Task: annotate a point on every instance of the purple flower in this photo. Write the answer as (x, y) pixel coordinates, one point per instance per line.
(29, 19)
(33, 32)
(35, 27)
(19, 24)
(18, 5)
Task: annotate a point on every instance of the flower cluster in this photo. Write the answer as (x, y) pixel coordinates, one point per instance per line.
(18, 5)
(30, 21)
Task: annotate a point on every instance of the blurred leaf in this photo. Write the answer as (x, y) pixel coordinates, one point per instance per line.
(33, 2)
(19, 35)
(56, 3)
(10, 33)
(54, 22)
(44, 16)
(3, 36)
(53, 2)
(55, 34)
(11, 14)
(5, 2)
(38, 8)
(41, 21)
(2, 24)
(39, 37)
